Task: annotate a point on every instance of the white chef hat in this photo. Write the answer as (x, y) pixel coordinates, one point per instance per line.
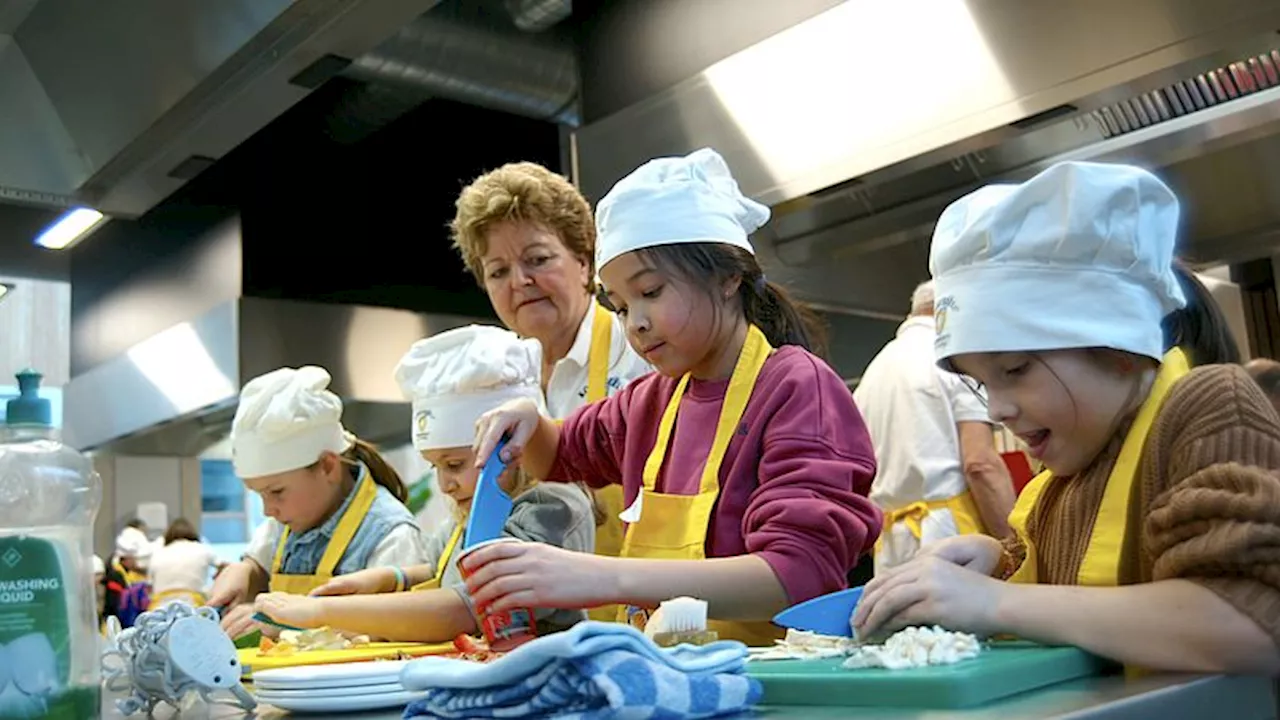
(1079, 256)
(455, 377)
(673, 200)
(285, 421)
(133, 543)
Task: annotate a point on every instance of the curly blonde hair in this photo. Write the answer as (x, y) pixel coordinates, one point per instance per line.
(522, 192)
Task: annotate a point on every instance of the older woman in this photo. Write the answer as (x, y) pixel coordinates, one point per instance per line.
(529, 238)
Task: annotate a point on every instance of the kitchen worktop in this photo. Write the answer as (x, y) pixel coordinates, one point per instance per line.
(1159, 696)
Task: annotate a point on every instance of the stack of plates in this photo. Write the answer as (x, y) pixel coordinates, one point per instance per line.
(348, 687)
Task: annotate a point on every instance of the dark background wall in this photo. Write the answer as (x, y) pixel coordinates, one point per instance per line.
(345, 198)
(331, 208)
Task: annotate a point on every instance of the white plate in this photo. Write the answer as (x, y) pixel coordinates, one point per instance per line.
(341, 675)
(350, 703)
(320, 692)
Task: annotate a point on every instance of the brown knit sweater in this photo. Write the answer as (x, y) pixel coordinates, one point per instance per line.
(1209, 504)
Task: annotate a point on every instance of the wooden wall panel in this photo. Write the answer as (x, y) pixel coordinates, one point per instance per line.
(35, 330)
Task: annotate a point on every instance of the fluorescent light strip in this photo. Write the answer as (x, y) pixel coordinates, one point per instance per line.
(71, 228)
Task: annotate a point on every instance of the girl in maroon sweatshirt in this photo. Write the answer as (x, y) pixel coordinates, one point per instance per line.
(744, 460)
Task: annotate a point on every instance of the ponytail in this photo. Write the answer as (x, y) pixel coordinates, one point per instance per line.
(766, 305)
(379, 469)
(1199, 329)
(782, 320)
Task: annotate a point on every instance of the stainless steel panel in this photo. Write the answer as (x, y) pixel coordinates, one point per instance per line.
(189, 368)
(175, 393)
(358, 345)
(13, 13)
(112, 72)
(41, 164)
(816, 105)
(138, 92)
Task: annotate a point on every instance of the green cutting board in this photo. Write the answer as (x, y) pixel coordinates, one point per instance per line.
(1001, 670)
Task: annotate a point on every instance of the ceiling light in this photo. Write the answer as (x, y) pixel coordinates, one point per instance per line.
(71, 228)
(4, 290)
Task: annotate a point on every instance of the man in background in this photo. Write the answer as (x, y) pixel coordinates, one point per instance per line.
(939, 473)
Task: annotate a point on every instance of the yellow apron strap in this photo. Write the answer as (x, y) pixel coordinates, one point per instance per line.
(437, 581)
(653, 464)
(348, 525)
(1018, 518)
(1101, 563)
(279, 557)
(674, 527)
(449, 547)
(911, 514)
(598, 355)
(963, 511)
(342, 535)
(755, 351)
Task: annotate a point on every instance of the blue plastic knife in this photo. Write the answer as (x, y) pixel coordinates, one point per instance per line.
(827, 615)
(490, 506)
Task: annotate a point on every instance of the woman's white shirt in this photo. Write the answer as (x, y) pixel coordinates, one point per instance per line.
(567, 388)
(181, 565)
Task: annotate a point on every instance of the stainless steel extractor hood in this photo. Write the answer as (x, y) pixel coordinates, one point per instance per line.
(859, 125)
(176, 392)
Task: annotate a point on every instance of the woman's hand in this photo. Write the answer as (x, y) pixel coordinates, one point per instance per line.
(517, 419)
(369, 581)
(297, 610)
(979, 553)
(930, 590)
(535, 575)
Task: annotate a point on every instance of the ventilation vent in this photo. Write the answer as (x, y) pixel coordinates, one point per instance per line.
(191, 167)
(1187, 96)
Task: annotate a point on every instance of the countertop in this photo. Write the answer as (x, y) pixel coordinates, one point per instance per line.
(1159, 696)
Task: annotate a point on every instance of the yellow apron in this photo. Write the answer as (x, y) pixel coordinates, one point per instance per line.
(609, 499)
(366, 491)
(1100, 566)
(131, 577)
(674, 527)
(196, 599)
(443, 563)
(963, 509)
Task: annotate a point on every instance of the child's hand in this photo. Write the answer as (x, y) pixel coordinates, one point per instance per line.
(517, 419)
(534, 575)
(238, 621)
(362, 582)
(929, 590)
(979, 553)
(231, 586)
(297, 610)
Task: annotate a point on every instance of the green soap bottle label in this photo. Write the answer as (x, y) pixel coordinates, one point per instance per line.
(35, 633)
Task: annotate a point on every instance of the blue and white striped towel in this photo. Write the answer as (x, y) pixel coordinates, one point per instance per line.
(594, 670)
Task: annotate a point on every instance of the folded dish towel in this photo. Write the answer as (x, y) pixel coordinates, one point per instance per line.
(594, 670)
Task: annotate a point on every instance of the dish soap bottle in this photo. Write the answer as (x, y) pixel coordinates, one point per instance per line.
(49, 495)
